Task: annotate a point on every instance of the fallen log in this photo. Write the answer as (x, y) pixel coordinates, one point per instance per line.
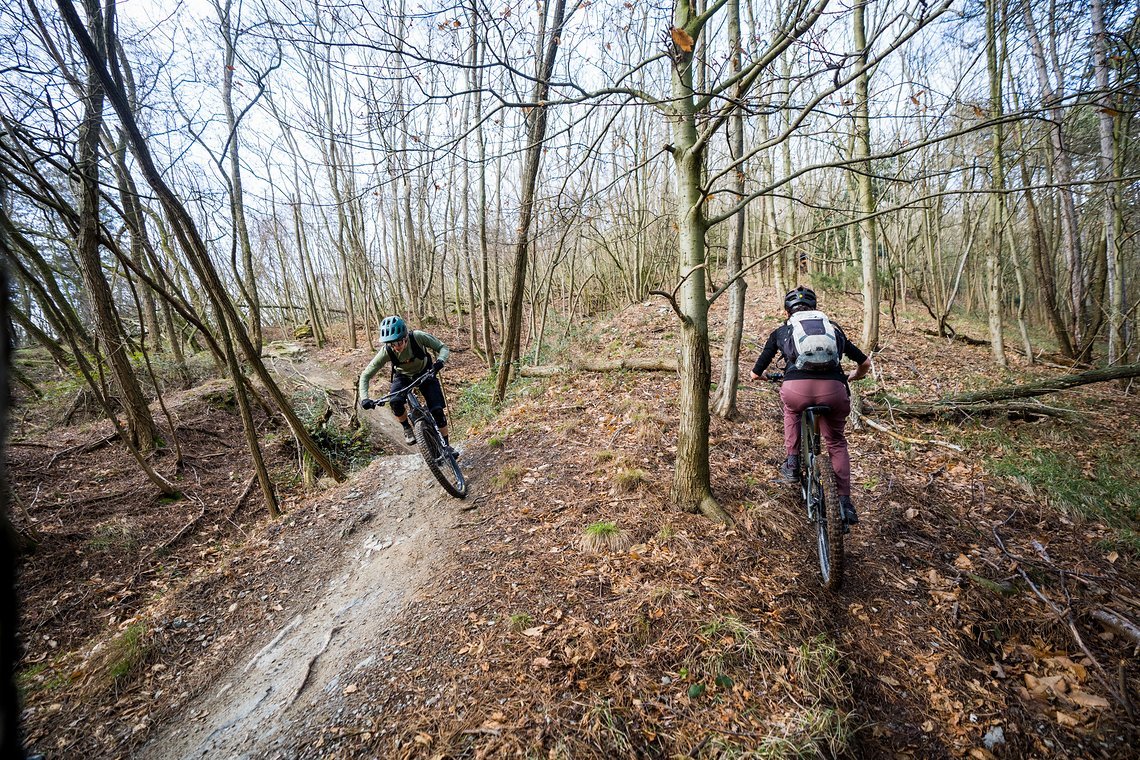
(641, 363)
(1011, 409)
(1002, 400)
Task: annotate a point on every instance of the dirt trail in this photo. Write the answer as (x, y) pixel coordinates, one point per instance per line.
(283, 684)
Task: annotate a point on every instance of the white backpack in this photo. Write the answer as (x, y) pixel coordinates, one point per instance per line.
(813, 343)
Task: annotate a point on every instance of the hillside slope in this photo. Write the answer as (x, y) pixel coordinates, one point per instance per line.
(966, 626)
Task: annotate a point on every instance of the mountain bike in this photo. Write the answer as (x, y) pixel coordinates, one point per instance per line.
(820, 493)
(440, 458)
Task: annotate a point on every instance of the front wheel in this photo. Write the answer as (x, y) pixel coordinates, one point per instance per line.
(829, 527)
(440, 461)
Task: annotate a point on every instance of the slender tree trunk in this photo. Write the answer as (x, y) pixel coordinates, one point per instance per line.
(725, 404)
(229, 322)
(246, 277)
(994, 16)
(1112, 201)
(536, 136)
(50, 344)
(1061, 166)
(867, 227)
(692, 486)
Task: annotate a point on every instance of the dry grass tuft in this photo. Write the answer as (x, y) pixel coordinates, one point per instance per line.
(604, 536)
(629, 479)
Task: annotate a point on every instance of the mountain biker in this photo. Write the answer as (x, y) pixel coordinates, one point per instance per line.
(815, 382)
(409, 355)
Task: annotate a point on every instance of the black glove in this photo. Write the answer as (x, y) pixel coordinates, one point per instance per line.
(437, 368)
(367, 404)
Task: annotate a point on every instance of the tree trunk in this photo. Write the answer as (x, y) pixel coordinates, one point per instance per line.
(246, 277)
(725, 404)
(867, 227)
(692, 487)
(229, 322)
(1112, 201)
(997, 199)
(140, 424)
(536, 136)
(1061, 166)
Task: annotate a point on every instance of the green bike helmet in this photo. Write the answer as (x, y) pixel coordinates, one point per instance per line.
(392, 329)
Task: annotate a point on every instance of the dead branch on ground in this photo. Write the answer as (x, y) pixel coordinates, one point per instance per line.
(643, 364)
(83, 448)
(884, 429)
(1003, 399)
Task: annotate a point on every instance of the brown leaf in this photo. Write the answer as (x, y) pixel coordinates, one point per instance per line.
(535, 632)
(1067, 720)
(1084, 699)
(681, 39)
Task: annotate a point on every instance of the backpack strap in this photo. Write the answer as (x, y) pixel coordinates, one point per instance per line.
(787, 344)
(417, 350)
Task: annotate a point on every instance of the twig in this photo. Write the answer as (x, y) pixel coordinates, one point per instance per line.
(1117, 623)
(884, 429)
(1020, 560)
(177, 536)
(83, 448)
(1067, 615)
(244, 494)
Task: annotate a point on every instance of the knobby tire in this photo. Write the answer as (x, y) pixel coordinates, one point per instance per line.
(442, 465)
(830, 526)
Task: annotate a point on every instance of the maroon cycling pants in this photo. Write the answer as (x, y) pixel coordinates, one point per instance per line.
(798, 395)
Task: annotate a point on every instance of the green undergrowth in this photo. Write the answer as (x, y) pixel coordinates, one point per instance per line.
(1083, 476)
(1104, 487)
(348, 447)
(473, 405)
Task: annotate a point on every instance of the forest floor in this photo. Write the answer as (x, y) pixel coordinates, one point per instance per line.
(381, 618)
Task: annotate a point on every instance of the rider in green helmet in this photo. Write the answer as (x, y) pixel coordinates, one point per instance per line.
(410, 354)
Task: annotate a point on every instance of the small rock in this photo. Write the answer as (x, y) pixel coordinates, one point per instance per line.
(994, 737)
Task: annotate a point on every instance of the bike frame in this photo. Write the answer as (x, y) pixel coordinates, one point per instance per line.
(416, 408)
(809, 450)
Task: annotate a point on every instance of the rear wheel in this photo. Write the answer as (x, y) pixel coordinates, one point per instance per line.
(441, 463)
(829, 527)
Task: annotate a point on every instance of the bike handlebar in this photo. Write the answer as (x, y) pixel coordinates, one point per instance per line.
(403, 392)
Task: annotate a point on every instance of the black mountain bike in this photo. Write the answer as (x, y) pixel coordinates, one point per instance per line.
(441, 460)
(820, 494)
